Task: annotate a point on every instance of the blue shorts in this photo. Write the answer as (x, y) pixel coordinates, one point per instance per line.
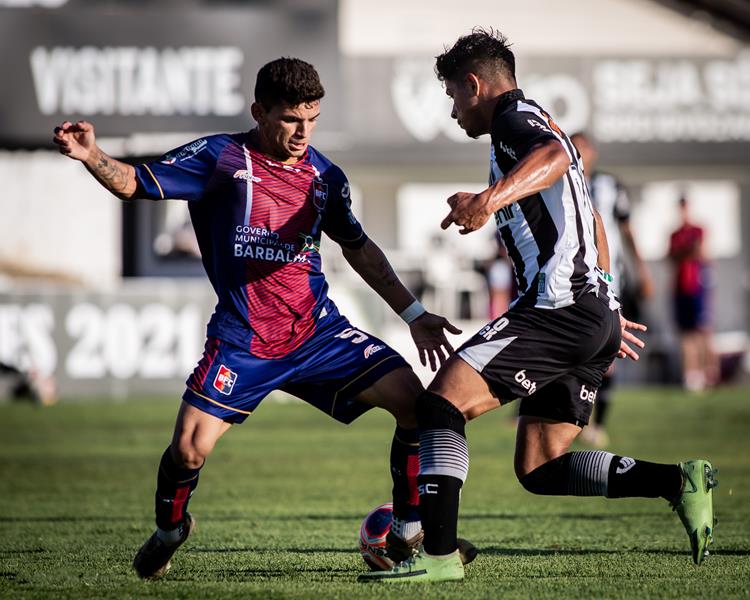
(328, 371)
(690, 311)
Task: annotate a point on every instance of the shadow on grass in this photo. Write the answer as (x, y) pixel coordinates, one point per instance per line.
(261, 574)
(199, 550)
(339, 517)
(733, 552)
(497, 551)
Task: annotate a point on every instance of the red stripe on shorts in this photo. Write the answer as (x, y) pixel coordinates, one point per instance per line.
(206, 362)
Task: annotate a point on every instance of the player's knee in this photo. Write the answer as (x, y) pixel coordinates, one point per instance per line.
(530, 481)
(548, 479)
(188, 455)
(435, 412)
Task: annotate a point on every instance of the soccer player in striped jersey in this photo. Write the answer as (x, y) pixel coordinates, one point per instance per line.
(552, 346)
(260, 202)
(610, 199)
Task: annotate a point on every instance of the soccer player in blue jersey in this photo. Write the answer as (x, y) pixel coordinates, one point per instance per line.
(552, 346)
(260, 202)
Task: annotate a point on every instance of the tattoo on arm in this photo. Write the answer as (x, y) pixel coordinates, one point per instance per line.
(111, 173)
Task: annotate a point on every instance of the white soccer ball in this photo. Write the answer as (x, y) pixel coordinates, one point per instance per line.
(372, 534)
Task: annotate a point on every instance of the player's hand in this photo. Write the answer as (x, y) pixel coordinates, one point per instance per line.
(75, 140)
(469, 211)
(428, 332)
(625, 350)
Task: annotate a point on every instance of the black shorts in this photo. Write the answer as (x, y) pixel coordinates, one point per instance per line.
(553, 359)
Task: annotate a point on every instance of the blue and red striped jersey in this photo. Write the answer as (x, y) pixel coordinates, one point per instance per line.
(258, 222)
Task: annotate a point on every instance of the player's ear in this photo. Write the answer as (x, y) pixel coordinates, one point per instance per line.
(258, 112)
(472, 83)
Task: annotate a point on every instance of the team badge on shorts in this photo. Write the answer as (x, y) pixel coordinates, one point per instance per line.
(224, 381)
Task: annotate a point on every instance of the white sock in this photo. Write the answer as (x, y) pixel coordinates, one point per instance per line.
(405, 529)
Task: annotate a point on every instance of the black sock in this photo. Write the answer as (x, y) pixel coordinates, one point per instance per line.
(603, 401)
(404, 471)
(438, 504)
(629, 477)
(444, 464)
(601, 408)
(174, 486)
(599, 473)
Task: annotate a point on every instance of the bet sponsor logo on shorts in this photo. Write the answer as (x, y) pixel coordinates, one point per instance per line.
(225, 380)
(525, 382)
(588, 394)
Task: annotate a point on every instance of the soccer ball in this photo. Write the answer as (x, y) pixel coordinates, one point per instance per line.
(372, 533)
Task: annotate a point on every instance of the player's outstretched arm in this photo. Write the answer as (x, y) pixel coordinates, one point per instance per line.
(539, 169)
(427, 329)
(602, 245)
(78, 141)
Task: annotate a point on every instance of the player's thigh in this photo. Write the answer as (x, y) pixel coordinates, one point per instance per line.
(396, 392)
(195, 435)
(540, 440)
(464, 387)
(340, 363)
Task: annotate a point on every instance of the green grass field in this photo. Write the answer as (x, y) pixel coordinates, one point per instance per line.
(281, 499)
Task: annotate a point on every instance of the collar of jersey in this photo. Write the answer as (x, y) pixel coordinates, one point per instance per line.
(506, 99)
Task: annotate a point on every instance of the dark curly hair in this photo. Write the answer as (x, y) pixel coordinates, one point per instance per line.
(485, 51)
(289, 80)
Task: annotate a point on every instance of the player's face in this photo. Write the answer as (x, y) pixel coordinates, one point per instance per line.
(465, 106)
(285, 130)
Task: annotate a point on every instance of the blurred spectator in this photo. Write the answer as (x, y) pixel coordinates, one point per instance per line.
(690, 302)
(29, 384)
(610, 198)
(500, 281)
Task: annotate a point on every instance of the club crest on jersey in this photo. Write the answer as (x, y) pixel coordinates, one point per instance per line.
(225, 380)
(320, 194)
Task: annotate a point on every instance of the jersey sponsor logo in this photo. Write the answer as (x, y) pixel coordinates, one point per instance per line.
(267, 254)
(589, 395)
(263, 244)
(372, 349)
(245, 175)
(186, 152)
(225, 380)
(507, 149)
(538, 125)
(309, 244)
(626, 463)
(525, 382)
(346, 191)
(491, 330)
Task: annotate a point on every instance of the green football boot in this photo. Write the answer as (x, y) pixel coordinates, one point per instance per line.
(419, 569)
(695, 505)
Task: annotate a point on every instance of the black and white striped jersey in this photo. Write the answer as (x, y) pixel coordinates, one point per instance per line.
(550, 235)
